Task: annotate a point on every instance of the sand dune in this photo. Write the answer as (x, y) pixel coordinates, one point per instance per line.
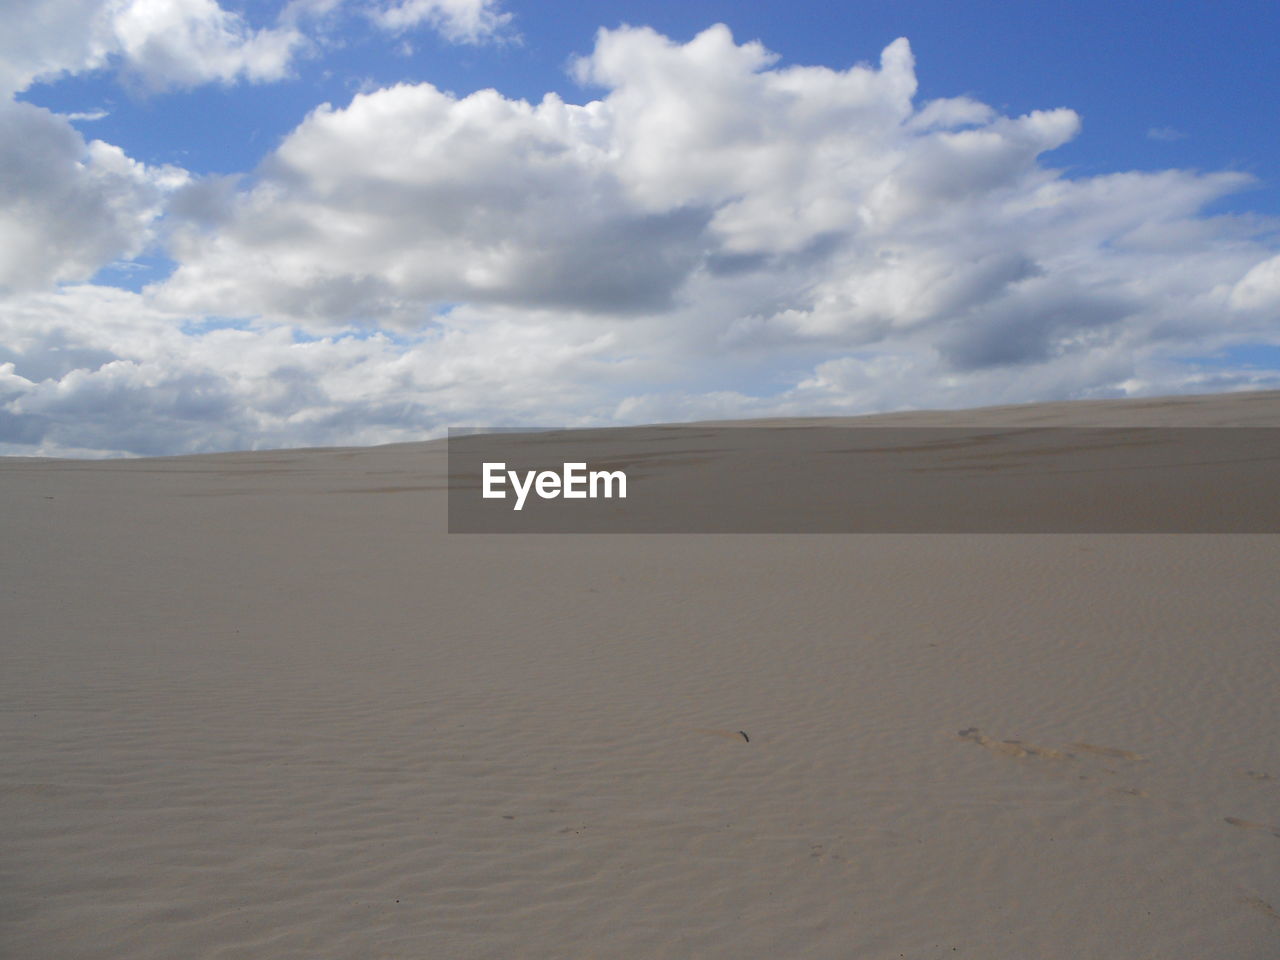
(262, 705)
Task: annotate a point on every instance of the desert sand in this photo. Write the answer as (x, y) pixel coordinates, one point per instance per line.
(263, 705)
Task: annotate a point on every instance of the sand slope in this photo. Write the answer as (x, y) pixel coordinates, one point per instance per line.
(261, 705)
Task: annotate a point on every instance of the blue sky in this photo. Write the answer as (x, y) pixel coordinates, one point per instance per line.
(765, 220)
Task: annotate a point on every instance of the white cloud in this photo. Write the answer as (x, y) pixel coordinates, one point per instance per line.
(43, 39)
(96, 371)
(699, 158)
(702, 172)
(459, 21)
(409, 197)
(68, 207)
(167, 44)
(162, 43)
(85, 116)
(189, 42)
(1259, 289)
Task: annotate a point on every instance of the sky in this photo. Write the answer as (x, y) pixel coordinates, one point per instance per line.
(339, 222)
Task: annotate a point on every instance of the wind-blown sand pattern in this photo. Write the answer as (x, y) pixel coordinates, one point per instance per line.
(260, 705)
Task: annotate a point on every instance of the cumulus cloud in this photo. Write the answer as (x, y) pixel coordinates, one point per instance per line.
(161, 43)
(68, 207)
(188, 42)
(700, 158)
(43, 39)
(410, 197)
(702, 167)
(713, 235)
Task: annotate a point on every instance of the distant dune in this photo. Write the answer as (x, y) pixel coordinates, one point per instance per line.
(263, 705)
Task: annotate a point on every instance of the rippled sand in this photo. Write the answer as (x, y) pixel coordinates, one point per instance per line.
(261, 705)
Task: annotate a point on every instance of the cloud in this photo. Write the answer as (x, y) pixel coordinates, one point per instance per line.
(459, 21)
(174, 44)
(68, 207)
(161, 43)
(44, 39)
(713, 235)
(703, 172)
(92, 370)
(1259, 289)
(85, 116)
(177, 43)
(699, 158)
(409, 197)
(1167, 134)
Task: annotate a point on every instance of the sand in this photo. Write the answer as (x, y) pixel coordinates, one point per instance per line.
(262, 705)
